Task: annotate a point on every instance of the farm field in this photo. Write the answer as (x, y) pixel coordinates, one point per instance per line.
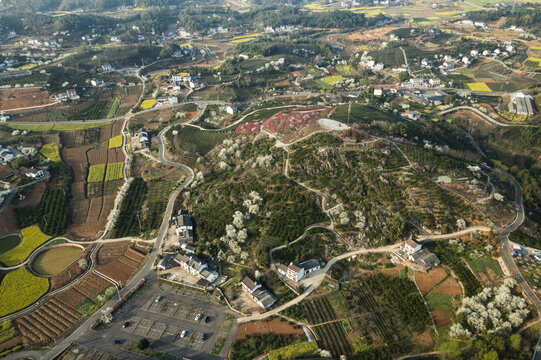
(192, 139)
(8, 243)
(114, 171)
(479, 86)
(115, 142)
(59, 127)
(148, 104)
(32, 239)
(20, 98)
(114, 108)
(96, 173)
(19, 289)
(51, 152)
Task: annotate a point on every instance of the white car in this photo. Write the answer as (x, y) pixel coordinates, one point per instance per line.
(537, 257)
(197, 317)
(183, 333)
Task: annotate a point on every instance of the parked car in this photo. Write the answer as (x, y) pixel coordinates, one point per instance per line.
(197, 317)
(159, 298)
(126, 324)
(183, 333)
(203, 337)
(208, 319)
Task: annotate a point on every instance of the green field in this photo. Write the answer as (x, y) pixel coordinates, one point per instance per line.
(439, 301)
(32, 239)
(482, 265)
(114, 171)
(19, 289)
(192, 139)
(114, 108)
(8, 243)
(361, 113)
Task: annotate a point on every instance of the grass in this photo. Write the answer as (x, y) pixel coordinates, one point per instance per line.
(439, 301)
(478, 86)
(50, 151)
(114, 108)
(115, 142)
(32, 239)
(19, 289)
(148, 104)
(7, 331)
(194, 140)
(361, 113)
(96, 173)
(8, 243)
(482, 265)
(59, 127)
(332, 80)
(114, 171)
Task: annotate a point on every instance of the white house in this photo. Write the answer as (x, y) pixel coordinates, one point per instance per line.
(231, 109)
(181, 77)
(410, 246)
(378, 91)
(258, 293)
(4, 117)
(294, 272)
(465, 60)
(32, 173)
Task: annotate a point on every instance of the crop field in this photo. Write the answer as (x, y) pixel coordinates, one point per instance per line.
(114, 108)
(50, 151)
(49, 321)
(318, 311)
(114, 171)
(333, 80)
(148, 104)
(19, 289)
(94, 111)
(192, 139)
(478, 86)
(332, 337)
(361, 113)
(59, 127)
(124, 266)
(32, 239)
(482, 265)
(115, 142)
(96, 173)
(18, 98)
(8, 243)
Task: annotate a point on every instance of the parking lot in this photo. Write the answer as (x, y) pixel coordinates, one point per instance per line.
(168, 316)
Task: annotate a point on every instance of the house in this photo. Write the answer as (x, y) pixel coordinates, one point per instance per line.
(181, 77)
(425, 259)
(232, 109)
(434, 96)
(412, 115)
(378, 92)
(184, 229)
(400, 69)
(188, 248)
(70, 94)
(434, 82)
(416, 82)
(144, 139)
(521, 104)
(258, 293)
(410, 246)
(6, 155)
(195, 84)
(294, 272)
(465, 60)
(167, 100)
(195, 267)
(97, 82)
(32, 172)
(106, 68)
(4, 117)
(164, 264)
(310, 266)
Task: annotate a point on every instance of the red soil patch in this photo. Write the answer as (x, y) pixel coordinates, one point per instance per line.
(429, 280)
(392, 272)
(19, 98)
(7, 221)
(284, 121)
(424, 339)
(449, 286)
(250, 128)
(274, 326)
(441, 317)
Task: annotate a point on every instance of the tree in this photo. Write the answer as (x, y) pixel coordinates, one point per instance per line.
(143, 344)
(403, 76)
(515, 340)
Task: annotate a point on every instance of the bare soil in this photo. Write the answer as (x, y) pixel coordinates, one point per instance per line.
(275, 326)
(19, 98)
(429, 280)
(441, 317)
(449, 286)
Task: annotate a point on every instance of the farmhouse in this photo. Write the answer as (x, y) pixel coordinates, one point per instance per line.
(184, 229)
(258, 293)
(4, 117)
(32, 172)
(521, 104)
(296, 272)
(195, 267)
(144, 139)
(70, 94)
(6, 155)
(412, 251)
(181, 77)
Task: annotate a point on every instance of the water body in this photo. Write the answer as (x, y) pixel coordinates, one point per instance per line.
(52, 261)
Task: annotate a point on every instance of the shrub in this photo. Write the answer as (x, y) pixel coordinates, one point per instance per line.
(143, 344)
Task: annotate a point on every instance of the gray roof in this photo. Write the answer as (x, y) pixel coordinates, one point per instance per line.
(425, 258)
(309, 264)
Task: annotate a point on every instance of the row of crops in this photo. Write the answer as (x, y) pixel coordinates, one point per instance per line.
(332, 337)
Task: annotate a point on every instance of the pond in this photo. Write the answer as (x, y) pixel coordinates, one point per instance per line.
(8, 243)
(52, 261)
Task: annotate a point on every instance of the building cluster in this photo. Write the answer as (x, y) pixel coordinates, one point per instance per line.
(184, 229)
(187, 80)
(70, 94)
(144, 138)
(522, 104)
(196, 267)
(420, 257)
(296, 272)
(258, 293)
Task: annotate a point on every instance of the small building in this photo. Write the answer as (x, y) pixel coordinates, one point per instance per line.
(97, 82)
(184, 229)
(258, 293)
(4, 117)
(412, 115)
(32, 172)
(195, 267)
(70, 94)
(181, 77)
(6, 155)
(294, 272)
(232, 109)
(310, 266)
(378, 91)
(410, 246)
(144, 138)
(425, 259)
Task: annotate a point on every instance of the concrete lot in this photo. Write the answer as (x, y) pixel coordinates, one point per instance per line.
(163, 322)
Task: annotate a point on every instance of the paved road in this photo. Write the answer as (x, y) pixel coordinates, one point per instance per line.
(51, 354)
(427, 238)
